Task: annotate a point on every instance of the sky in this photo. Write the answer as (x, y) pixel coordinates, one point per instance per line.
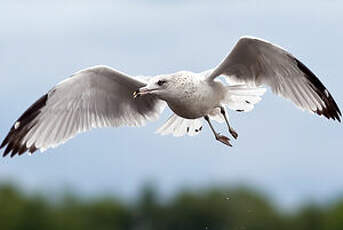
(292, 156)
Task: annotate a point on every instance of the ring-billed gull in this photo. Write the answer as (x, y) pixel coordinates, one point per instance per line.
(103, 97)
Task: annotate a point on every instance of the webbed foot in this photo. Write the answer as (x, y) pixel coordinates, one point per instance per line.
(223, 139)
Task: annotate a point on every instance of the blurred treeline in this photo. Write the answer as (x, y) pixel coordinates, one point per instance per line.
(211, 209)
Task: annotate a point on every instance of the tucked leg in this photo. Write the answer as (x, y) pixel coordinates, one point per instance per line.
(231, 130)
(221, 138)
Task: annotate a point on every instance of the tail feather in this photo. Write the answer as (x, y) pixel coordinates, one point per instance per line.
(242, 98)
(178, 126)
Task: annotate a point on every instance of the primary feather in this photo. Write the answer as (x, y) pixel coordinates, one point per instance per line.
(95, 97)
(256, 62)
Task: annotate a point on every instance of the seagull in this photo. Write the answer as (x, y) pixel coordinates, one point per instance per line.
(101, 96)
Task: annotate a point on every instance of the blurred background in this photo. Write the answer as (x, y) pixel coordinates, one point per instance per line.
(284, 171)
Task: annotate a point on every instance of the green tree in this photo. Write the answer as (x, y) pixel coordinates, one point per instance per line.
(211, 209)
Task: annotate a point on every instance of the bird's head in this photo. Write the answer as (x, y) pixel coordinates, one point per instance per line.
(162, 86)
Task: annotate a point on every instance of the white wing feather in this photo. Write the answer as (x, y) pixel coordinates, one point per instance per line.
(95, 97)
(257, 62)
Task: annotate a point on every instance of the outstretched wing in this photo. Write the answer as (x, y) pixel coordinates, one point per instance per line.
(95, 97)
(257, 62)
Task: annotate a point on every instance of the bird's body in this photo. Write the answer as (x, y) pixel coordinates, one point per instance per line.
(102, 97)
(194, 96)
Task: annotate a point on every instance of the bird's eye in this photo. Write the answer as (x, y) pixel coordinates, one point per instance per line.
(161, 82)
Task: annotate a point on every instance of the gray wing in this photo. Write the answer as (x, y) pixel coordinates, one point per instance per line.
(257, 62)
(95, 97)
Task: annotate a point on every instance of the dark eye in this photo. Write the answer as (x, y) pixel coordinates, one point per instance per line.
(161, 82)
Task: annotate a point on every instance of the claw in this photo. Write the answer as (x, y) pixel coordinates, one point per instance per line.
(223, 139)
(233, 133)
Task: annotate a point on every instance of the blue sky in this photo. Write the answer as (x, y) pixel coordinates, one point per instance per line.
(291, 155)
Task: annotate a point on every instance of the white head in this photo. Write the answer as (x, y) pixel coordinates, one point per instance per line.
(166, 86)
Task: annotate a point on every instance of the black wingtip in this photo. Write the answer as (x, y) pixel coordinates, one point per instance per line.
(330, 109)
(14, 139)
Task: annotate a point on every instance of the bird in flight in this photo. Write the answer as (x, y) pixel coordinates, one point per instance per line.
(101, 96)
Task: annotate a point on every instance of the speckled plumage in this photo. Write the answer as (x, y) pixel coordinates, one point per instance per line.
(188, 94)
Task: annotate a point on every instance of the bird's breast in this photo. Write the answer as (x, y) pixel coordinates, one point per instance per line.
(185, 111)
(196, 104)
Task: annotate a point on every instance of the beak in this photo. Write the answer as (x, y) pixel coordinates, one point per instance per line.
(141, 91)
